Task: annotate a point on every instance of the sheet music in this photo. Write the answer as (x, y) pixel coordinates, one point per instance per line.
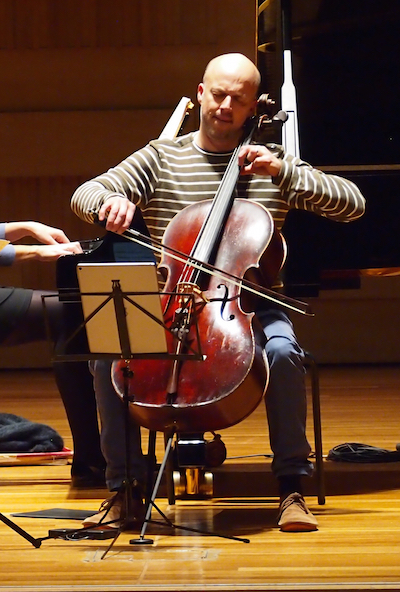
(145, 335)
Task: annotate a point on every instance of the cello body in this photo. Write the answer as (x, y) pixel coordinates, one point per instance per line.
(230, 380)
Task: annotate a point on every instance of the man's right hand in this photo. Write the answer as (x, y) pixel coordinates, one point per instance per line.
(118, 213)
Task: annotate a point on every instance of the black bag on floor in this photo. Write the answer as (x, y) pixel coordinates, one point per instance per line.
(362, 453)
(22, 435)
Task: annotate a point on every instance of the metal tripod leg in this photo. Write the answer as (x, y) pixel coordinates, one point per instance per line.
(151, 502)
(127, 484)
(35, 542)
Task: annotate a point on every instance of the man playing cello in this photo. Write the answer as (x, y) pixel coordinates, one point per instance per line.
(163, 178)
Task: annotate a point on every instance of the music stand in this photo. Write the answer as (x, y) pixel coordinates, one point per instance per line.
(145, 320)
(137, 329)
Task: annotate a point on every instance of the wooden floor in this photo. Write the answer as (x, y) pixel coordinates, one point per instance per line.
(357, 546)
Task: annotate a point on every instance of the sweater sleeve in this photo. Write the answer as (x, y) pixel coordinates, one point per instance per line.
(307, 188)
(134, 179)
(7, 254)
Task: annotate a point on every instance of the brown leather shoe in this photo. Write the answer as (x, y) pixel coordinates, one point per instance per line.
(294, 516)
(112, 510)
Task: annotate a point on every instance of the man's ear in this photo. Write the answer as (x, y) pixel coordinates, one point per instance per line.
(253, 109)
(200, 92)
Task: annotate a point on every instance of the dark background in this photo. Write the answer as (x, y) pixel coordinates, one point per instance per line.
(346, 69)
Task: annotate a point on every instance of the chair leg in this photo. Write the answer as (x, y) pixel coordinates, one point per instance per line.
(315, 393)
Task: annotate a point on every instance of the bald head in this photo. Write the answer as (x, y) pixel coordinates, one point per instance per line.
(234, 65)
(227, 98)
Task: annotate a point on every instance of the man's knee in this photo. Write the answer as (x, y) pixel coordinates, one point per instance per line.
(282, 351)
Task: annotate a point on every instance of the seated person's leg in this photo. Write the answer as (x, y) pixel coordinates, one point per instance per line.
(14, 304)
(25, 312)
(112, 418)
(286, 406)
(75, 384)
(113, 441)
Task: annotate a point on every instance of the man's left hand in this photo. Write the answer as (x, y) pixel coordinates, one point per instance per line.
(258, 160)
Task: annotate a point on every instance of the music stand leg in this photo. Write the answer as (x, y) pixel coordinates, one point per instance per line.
(141, 539)
(128, 482)
(35, 542)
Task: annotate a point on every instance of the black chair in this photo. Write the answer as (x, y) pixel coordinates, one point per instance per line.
(311, 369)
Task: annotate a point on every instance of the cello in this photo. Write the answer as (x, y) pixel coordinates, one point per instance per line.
(180, 394)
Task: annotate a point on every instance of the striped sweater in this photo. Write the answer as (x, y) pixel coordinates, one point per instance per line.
(167, 175)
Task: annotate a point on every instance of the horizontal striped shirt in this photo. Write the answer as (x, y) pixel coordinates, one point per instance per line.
(167, 175)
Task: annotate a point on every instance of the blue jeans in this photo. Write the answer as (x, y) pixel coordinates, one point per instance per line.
(285, 402)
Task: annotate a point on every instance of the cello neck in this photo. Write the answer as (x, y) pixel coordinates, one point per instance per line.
(177, 119)
(210, 233)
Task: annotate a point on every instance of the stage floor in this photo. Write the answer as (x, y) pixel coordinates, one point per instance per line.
(357, 546)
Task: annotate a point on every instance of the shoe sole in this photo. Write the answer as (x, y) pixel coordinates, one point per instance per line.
(298, 527)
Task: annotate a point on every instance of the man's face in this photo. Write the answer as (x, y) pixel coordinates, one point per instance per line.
(226, 102)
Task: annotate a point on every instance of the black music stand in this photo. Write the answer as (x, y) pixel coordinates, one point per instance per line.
(106, 309)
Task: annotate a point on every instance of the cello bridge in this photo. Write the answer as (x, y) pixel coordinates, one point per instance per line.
(191, 288)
